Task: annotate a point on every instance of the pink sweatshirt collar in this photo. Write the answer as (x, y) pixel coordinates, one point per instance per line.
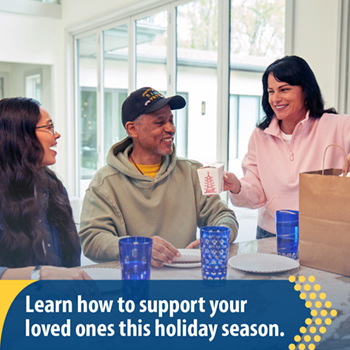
(274, 127)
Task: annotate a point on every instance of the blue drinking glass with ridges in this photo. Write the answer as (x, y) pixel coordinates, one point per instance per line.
(287, 226)
(135, 257)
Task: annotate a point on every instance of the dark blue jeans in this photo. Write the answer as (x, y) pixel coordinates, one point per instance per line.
(260, 233)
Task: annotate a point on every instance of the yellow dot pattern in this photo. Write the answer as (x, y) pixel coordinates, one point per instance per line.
(291, 279)
(308, 304)
(324, 313)
(320, 313)
(318, 304)
(307, 287)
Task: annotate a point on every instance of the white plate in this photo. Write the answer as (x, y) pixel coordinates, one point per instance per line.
(183, 265)
(189, 256)
(262, 263)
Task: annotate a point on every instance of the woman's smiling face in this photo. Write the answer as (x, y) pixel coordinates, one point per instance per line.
(287, 101)
(47, 137)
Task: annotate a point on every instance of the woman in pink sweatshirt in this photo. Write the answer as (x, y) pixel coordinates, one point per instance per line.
(290, 140)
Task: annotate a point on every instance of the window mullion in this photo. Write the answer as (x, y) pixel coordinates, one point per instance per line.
(77, 104)
(289, 27)
(171, 56)
(100, 100)
(223, 81)
(132, 55)
(343, 47)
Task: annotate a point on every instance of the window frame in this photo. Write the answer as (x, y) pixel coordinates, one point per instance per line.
(32, 74)
(130, 15)
(5, 81)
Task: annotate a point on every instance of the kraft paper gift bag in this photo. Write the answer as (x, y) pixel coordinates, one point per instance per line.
(324, 220)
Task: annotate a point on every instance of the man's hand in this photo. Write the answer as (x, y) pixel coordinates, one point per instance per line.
(163, 252)
(194, 244)
(62, 273)
(231, 183)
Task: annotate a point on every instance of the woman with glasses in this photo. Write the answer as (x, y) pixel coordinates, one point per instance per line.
(38, 237)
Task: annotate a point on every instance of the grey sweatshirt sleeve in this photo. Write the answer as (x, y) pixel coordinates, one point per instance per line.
(99, 236)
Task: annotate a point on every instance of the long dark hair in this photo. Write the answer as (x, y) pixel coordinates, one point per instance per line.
(295, 71)
(27, 189)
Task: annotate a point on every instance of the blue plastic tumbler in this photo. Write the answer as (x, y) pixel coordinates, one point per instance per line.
(135, 257)
(287, 225)
(215, 242)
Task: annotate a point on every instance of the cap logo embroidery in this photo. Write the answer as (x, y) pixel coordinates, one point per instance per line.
(151, 95)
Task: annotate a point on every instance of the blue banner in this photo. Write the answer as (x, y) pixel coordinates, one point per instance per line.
(154, 315)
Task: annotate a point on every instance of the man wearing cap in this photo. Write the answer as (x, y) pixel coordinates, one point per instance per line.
(145, 190)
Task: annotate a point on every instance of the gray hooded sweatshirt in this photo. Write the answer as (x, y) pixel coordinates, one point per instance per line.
(120, 202)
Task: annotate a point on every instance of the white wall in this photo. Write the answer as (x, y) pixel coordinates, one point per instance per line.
(316, 40)
(78, 11)
(30, 39)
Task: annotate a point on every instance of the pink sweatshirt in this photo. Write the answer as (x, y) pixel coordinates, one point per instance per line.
(271, 167)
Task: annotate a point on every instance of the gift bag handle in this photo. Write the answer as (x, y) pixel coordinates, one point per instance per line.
(324, 156)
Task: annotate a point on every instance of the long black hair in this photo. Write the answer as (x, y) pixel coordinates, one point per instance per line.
(26, 189)
(295, 71)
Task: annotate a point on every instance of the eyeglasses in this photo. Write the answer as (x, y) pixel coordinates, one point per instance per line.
(49, 128)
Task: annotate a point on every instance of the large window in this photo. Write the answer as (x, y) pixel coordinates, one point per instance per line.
(212, 52)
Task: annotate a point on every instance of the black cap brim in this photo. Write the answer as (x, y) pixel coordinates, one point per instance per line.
(174, 102)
